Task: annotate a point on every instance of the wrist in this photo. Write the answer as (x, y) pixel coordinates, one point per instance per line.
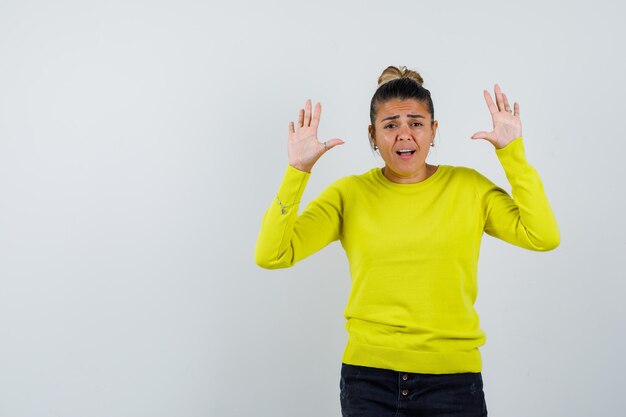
(301, 167)
(504, 145)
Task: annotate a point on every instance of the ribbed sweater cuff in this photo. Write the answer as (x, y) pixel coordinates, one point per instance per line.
(293, 185)
(513, 159)
(513, 152)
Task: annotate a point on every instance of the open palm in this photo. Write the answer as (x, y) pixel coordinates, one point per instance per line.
(507, 125)
(303, 147)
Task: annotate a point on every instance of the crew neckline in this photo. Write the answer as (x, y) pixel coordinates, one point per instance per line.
(378, 173)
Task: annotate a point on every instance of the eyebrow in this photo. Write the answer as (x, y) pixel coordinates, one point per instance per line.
(397, 116)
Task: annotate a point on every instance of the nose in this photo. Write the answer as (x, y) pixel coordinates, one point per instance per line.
(404, 133)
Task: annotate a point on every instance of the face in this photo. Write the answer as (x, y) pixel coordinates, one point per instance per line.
(403, 132)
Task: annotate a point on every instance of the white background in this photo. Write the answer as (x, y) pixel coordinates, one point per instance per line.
(141, 141)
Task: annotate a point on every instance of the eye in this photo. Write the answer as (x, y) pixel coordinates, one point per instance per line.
(417, 124)
(390, 125)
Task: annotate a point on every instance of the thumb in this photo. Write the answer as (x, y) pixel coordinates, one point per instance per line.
(483, 135)
(333, 142)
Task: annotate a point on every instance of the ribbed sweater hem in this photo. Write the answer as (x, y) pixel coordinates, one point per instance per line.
(411, 360)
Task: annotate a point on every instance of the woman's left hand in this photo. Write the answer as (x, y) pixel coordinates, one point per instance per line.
(507, 125)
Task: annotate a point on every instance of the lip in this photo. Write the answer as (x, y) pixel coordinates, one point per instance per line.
(405, 156)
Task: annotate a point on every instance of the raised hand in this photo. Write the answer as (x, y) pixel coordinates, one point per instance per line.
(303, 146)
(507, 125)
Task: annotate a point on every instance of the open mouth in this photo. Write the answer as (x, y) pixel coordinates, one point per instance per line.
(405, 152)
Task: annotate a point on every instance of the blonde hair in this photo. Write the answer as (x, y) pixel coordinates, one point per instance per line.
(393, 73)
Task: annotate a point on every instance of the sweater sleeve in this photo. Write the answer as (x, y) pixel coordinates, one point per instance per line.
(286, 237)
(526, 220)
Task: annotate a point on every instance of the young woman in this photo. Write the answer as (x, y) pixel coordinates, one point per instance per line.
(412, 234)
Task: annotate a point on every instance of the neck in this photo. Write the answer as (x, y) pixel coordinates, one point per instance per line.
(424, 173)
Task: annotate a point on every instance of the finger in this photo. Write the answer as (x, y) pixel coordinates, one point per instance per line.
(490, 104)
(332, 143)
(291, 128)
(499, 99)
(516, 109)
(307, 113)
(301, 118)
(316, 115)
(507, 107)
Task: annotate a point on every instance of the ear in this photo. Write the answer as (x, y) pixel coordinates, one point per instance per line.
(435, 126)
(372, 135)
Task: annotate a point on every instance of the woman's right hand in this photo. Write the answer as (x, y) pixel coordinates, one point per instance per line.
(303, 146)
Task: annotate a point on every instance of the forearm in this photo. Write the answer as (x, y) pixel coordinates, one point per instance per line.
(527, 220)
(273, 246)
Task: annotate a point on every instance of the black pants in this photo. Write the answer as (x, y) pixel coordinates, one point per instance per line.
(373, 392)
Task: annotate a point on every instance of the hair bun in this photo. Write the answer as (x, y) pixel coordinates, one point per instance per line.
(393, 73)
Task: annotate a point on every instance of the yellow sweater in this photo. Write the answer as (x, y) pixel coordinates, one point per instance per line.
(413, 254)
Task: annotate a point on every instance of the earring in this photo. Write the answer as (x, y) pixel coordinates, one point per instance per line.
(375, 147)
(432, 144)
